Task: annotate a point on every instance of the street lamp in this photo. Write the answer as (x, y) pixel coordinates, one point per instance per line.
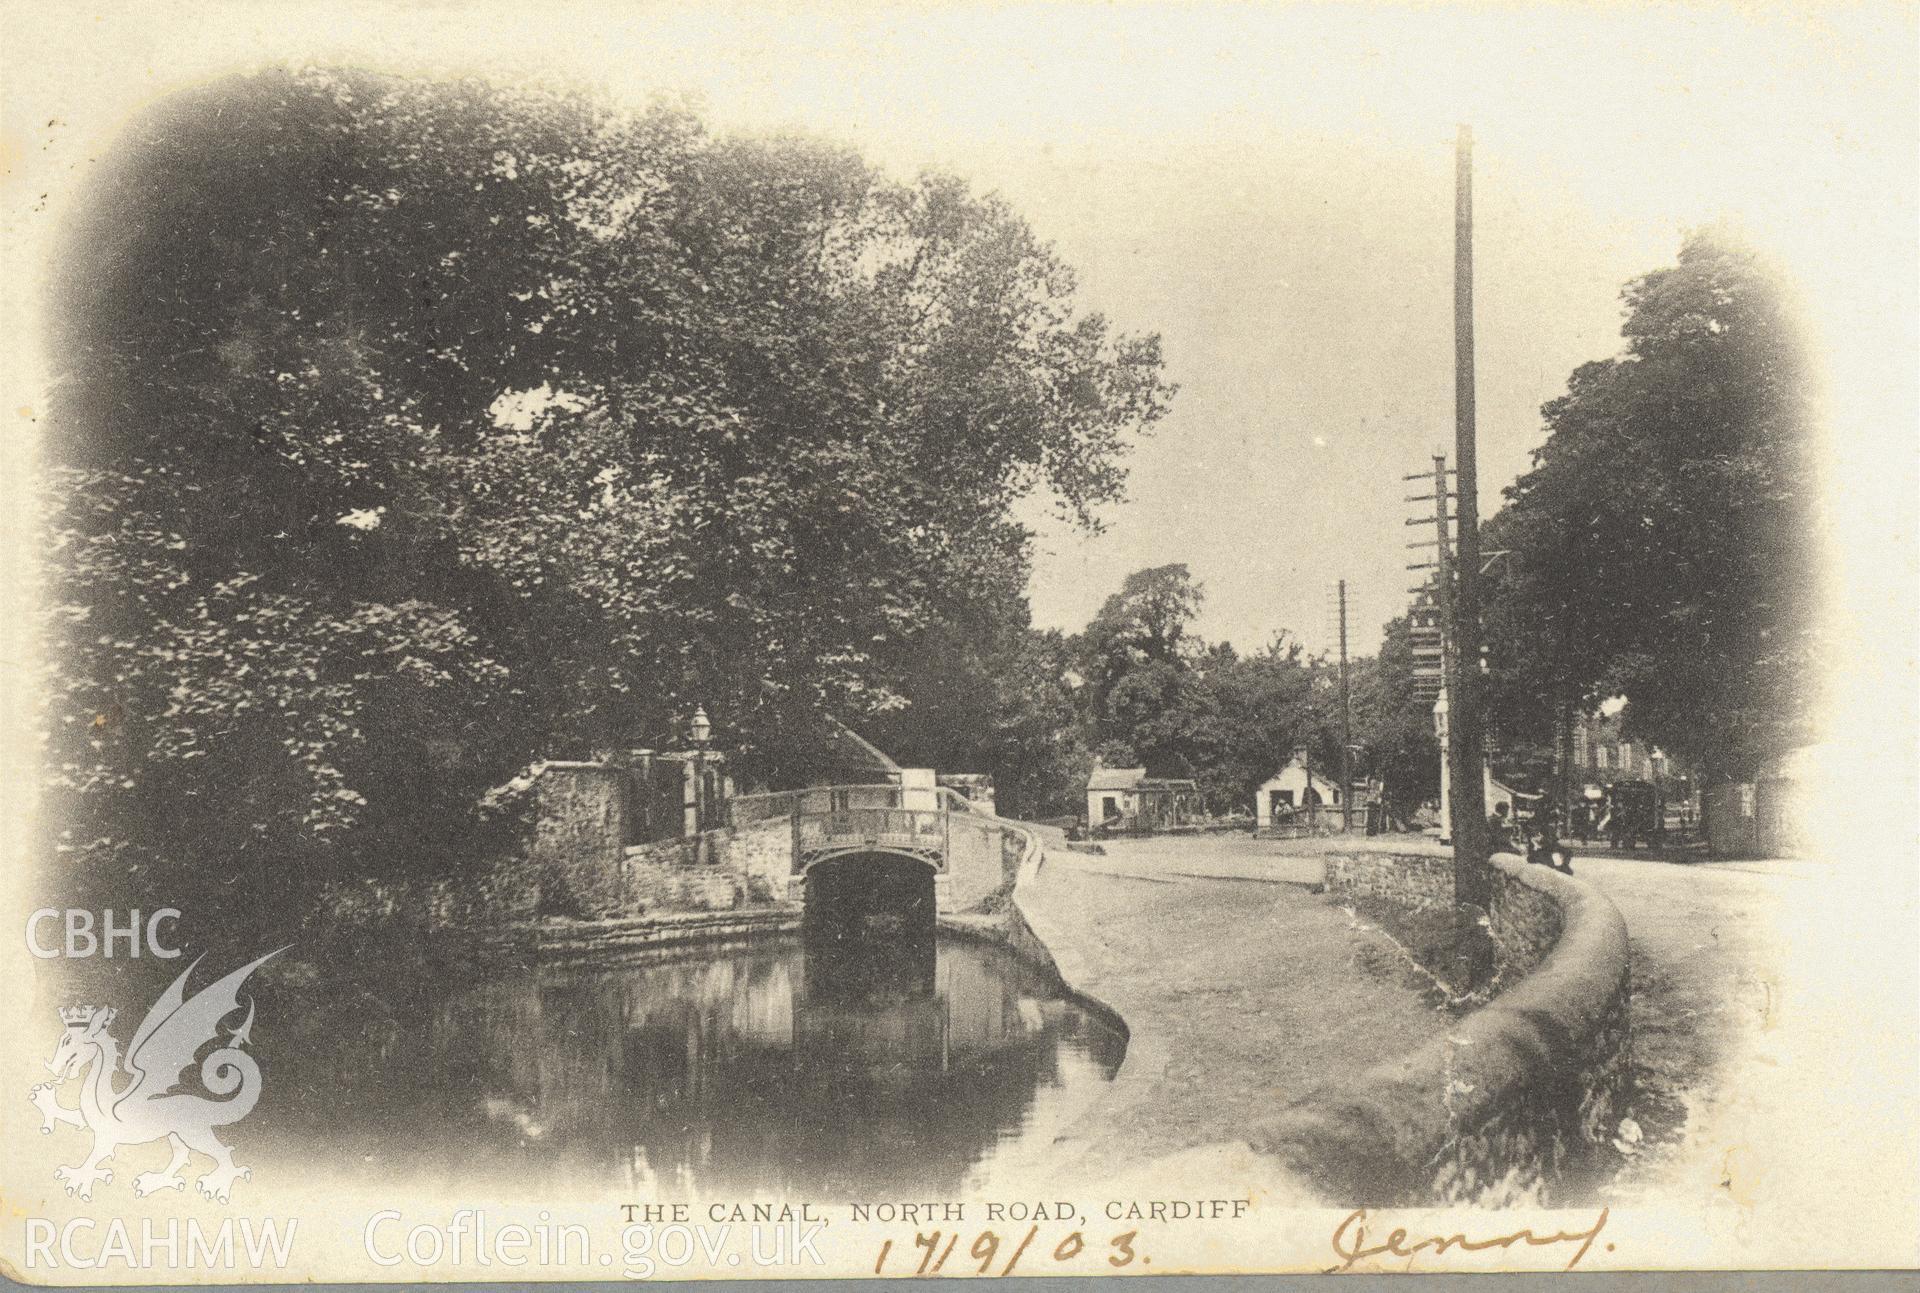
(699, 734)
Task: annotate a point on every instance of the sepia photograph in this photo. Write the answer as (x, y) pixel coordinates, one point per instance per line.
(657, 641)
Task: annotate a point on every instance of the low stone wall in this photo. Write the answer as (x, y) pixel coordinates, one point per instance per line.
(1515, 1103)
(1011, 927)
(676, 876)
(1412, 879)
(717, 870)
(566, 941)
(1523, 918)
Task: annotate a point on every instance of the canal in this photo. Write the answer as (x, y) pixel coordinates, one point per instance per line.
(824, 1072)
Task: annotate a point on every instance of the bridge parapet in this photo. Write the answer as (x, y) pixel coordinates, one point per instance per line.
(970, 851)
(744, 810)
(910, 832)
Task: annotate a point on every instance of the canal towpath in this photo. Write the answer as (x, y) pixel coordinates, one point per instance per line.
(1242, 988)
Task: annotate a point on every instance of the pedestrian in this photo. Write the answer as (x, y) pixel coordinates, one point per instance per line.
(1543, 843)
(1562, 855)
(1499, 829)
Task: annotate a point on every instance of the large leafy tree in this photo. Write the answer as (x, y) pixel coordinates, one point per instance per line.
(409, 431)
(1138, 657)
(1665, 543)
(992, 694)
(1158, 695)
(1263, 707)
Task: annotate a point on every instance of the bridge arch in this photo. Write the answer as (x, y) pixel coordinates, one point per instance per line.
(858, 894)
(969, 853)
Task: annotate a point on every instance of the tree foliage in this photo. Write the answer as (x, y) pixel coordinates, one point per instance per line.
(994, 695)
(407, 432)
(1157, 695)
(1664, 544)
(1139, 658)
(1394, 729)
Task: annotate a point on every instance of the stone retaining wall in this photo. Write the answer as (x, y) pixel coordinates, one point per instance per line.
(717, 870)
(1515, 1103)
(1523, 918)
(1012, 927)
(568, 941)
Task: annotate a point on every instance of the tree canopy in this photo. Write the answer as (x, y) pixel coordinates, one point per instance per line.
(1155, 694)
(409, 431)
(1665, 544)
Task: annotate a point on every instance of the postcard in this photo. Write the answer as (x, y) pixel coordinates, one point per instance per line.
(656, 642)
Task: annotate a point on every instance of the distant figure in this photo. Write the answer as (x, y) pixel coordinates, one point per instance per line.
(1499, 829)
(1543, 843)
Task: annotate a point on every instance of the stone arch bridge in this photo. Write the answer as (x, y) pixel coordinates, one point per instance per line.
(897, 842)
(922, 838)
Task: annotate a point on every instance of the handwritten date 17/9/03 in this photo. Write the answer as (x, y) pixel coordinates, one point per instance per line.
(936, 1248)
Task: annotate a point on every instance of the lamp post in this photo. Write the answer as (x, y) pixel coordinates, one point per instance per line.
(699, 734)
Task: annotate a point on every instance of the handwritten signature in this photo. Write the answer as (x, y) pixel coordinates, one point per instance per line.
(1350, 1241)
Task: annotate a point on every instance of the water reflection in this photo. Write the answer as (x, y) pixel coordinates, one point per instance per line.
(841, 1072)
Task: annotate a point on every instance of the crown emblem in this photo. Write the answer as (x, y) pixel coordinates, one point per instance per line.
(72, 1015)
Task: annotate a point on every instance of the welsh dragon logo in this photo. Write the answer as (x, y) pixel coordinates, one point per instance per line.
(148, 1107)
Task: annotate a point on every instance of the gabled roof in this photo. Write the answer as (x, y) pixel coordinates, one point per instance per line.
(848, 749)
(1317, 781)
(1136, 779)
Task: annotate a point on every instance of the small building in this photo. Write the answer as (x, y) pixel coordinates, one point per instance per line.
(1298, 792)
(1126, 801)
(1499, 794)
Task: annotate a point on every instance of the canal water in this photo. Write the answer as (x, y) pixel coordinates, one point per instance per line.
(777, 1068)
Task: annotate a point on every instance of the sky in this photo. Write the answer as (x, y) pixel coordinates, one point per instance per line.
(1269, 188)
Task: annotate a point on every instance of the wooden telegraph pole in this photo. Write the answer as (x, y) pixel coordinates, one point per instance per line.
(1466, 739)
(1346, 724)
